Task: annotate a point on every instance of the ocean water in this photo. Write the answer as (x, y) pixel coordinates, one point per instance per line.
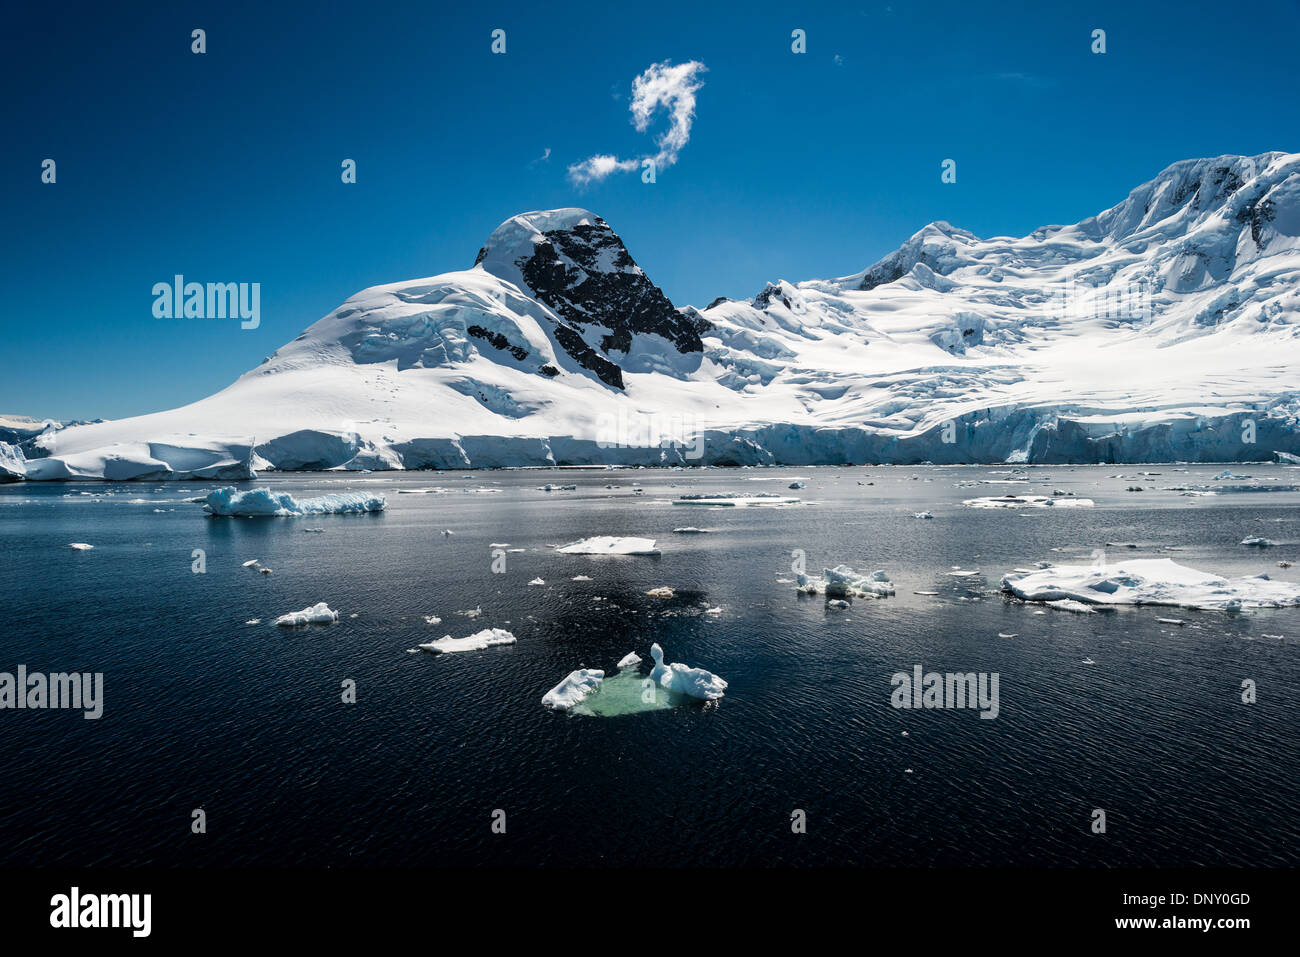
(246, 721)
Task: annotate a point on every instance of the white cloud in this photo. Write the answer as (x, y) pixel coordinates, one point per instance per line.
(661, 86)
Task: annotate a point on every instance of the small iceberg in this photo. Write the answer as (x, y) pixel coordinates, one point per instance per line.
(609, 545)
(1155, 581)
(537, 581)
(663, 591)
(262, 501)
(487, 638)
(923, 515)
(557, 488)
(1027, 501)
(690, 530)
(681, 679)
(80, 546)
(843, 582)
(1258, 542)
(318, 614)
(573, 689)
(629, 660)
(768, 499)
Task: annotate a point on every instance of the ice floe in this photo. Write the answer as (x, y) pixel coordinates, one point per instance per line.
(1027, 501)
(230, 501)
(763, 499)
(573, 689)
(1258, 542)
(629, 660)
(80, 546)
(663, 591)
(843, 582)
(681, 679)
(1153, 581)
(609, 545)
(318, 614)
(487, 638)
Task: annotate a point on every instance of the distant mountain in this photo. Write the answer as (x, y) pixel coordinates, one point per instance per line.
(1165, 328)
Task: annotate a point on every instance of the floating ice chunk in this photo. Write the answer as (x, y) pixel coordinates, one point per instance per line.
(262, 501)
(842, 581)
(1158, 581)
(663, 591)
(837, 603)
(1258, 542)
(629, 660)
(1229, 475)
(432, 620)
(573, 689)
(676, 677)
(253, 621)
(925, 593)
(1170, 621)
(317, 614)
(796, 485)
(581, 578)
(473, 612)
(1066, 604)
(499, 545)
(251, 563)
(1005, 634)
(487, 638)
(690, 530)
(537, 581)
(736, 501)
(80, 546)
(1089, 661)
(923, 515)
(610, 545)
(557, 488)
(1027, 501)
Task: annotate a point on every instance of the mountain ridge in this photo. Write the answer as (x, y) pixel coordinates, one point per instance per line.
(1165, 327)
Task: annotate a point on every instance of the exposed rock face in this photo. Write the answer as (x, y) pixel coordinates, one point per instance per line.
(572, 261)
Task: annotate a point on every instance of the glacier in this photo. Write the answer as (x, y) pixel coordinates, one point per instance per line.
(1162, 329)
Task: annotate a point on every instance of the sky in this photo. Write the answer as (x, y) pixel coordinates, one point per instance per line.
(226, 166)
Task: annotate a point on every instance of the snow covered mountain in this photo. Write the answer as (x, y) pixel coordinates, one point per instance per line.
(1165, 328)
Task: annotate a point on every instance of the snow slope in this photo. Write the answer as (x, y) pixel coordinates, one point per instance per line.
(1165, 328)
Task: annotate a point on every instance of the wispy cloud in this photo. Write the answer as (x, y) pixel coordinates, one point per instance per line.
(661, 86)
(544, 158)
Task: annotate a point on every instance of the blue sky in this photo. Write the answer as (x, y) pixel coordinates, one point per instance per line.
(225, 167)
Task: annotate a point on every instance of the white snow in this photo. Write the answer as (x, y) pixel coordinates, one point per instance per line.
(262, 501)
(609, 545)
(318, 614)
(1153, 581)
(695, 682)
(573, 689)
(487, 638)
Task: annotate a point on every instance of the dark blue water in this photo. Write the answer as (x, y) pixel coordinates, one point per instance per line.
(246, 722)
